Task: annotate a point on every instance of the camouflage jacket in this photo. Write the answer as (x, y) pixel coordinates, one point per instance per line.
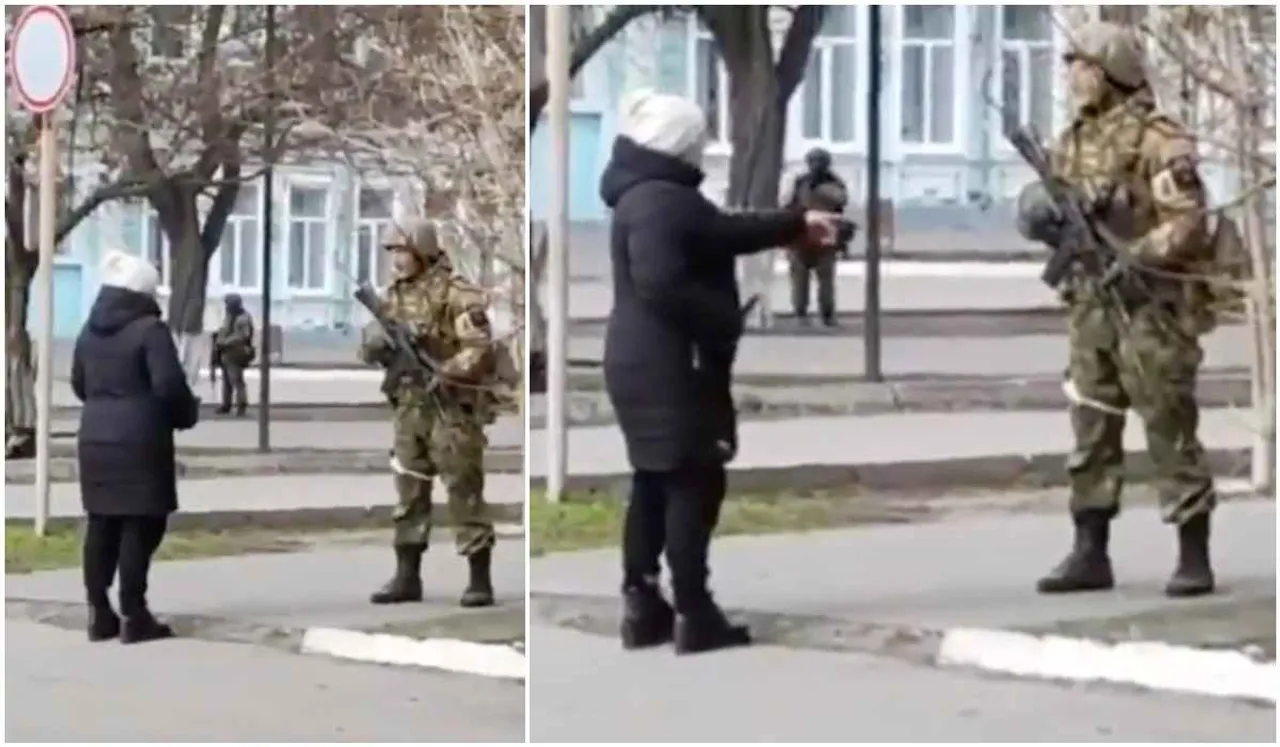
(1143, 164)
(235, 339)
(448, 317)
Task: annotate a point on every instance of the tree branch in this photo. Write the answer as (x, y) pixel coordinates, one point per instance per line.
(585, 49)
(806, 22)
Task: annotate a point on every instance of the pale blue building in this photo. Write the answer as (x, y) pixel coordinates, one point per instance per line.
(955, 77)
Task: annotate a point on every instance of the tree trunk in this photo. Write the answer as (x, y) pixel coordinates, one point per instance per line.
(188, 277)
(757, 131)
(20, 372)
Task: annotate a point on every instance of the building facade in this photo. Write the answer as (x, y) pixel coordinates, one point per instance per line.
(955, 80)
(326, 224)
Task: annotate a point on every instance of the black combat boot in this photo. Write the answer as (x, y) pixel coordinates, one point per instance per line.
(647, 618)
(829, 320)
(240, 410)
(104, 623)
(142, 627)
(479, 591)
(1087, 567)
(1194, 576)
(223, 409)
(406, 584)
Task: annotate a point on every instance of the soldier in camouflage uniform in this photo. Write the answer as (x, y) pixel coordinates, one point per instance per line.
(1137, 170)
(817, 189)
(234, 341)
(440, 430)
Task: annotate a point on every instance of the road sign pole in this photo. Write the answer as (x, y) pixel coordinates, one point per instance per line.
(44, 286)
(558, 254)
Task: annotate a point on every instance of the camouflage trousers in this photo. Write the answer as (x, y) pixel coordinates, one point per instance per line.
(233, 386)
(824, 266)
(1150, 367)
(446, 441)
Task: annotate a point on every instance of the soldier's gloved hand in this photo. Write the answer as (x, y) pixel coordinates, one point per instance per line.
(1038, 218)
(375, 346)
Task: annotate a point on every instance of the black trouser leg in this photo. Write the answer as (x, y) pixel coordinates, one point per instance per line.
(694, 495)
(644, 534)
(139, 541)
(224, 402)
(100, 557)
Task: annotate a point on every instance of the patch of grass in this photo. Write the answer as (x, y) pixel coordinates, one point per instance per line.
(24, 552)
(589, 521)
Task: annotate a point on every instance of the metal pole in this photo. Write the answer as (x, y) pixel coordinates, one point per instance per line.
(44, 282)
(268, 197)
(558, 257)
(871, 306)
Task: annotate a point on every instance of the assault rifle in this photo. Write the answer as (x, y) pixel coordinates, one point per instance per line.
(407, 358)
(1084, 242)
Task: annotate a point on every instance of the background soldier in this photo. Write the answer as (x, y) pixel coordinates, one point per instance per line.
(233, 343)
(440, 429)
(1136, 169)
(817, 189)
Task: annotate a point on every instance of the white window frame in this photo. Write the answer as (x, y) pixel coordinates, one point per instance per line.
(855, 98)
(1055, 44)
(235, 224)
(378, 226)
(960, 49)
(325, 183)
(695, 33)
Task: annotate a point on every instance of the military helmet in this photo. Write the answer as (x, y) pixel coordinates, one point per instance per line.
(818, 158)
(1112, 47)
(417, 235)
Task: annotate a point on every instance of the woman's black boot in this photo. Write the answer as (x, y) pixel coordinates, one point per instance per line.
(707, 629)
(143, 627)
(104, 623)
(647, 618)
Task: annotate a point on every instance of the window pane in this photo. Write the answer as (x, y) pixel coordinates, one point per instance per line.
(375, 203)
(227, 256)
(364, 253)
(316, 255)
(942, 95)
(813, 109)
(927, 21)
(250, 253)
(297, 253)
(307, 202)
(707, 85)
(246, 200)
(1011, 90)
(913, 94)
(1031, 22)
(844, 68)
(1042, 89)
(841, 20)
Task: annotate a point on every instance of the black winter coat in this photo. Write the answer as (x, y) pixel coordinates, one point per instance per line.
(675, 322)
(125, 369)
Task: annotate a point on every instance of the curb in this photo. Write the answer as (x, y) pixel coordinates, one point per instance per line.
(448, 654)
(244, 463)
(1147, 664)
(1034, 470)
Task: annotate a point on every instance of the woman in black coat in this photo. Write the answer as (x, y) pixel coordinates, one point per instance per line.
(669, 348)
(126, 371)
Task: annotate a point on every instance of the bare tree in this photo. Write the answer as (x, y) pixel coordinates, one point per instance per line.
(444, 116)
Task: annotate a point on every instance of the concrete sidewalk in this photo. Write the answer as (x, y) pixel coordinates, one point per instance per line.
(63, 689)
(855, 441)
(272, 499)
(822, 601)
(816, 356)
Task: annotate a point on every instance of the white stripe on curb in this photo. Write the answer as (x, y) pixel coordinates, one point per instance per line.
(1156, 666)
(488, 660)
(917, 269)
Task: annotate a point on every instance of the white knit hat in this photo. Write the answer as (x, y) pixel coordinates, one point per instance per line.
(668, 124)
(123, 270)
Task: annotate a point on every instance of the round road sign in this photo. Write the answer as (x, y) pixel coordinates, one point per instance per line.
(42, 57)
